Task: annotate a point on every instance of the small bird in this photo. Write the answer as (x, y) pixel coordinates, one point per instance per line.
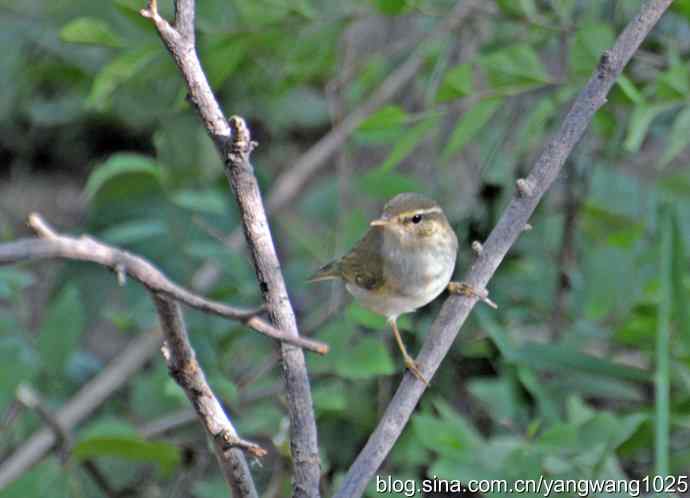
(404, 261)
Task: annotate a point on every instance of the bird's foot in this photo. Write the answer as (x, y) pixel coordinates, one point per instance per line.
(463, 289)
(414, 369)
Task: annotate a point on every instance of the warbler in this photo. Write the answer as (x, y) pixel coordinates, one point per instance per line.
(404, 261)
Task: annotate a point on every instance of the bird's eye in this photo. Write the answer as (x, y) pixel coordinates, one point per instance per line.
(416, 218)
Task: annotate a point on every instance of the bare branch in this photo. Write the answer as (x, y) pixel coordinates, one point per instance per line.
(456, 308)
(303, 439)
(235, 154)
(188, 374)
(85, 248)
(89, 397)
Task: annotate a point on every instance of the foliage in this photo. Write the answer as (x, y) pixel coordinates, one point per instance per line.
(559, 382)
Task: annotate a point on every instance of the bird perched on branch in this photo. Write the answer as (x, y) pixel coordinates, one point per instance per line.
(404, 261)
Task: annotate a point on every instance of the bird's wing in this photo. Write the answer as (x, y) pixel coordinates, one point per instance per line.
(363, 265)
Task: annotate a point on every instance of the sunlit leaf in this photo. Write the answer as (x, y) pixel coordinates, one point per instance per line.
(458, 82)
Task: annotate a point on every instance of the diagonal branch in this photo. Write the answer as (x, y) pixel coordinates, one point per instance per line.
(530, 190)
(52, 245)
(235, 154)
(185, 369)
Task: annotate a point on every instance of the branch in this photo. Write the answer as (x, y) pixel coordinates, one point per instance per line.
(235, 154)
(456, 308)
(83, 404)
(184, 368)
(52, 245)
(287, 185)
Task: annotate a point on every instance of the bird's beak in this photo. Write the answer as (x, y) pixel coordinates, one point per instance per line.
(379, 223)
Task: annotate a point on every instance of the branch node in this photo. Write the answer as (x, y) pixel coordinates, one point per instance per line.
(230, 441)
(605, 66)
(241, 143)
(39, 225)
(477, 247)
(121, 272)
(151, 10)
(525, 187)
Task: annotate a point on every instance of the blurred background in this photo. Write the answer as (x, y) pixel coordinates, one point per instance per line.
(564, 380)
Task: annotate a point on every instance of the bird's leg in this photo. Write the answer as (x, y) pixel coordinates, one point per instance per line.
(409, 362)
(463, 289)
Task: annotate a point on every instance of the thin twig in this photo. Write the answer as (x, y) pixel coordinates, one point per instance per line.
(456, 308)
(89, 397)
(235, 147)
(53, 244)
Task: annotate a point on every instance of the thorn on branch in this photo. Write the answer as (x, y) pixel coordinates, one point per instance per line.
(524, 187)
(477, 247)
(527, 227)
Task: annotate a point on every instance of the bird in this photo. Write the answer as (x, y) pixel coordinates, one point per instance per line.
(404, 261)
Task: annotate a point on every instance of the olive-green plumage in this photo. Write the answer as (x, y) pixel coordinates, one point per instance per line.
(404, 260)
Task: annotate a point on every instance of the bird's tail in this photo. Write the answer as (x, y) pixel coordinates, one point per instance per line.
(326, 272)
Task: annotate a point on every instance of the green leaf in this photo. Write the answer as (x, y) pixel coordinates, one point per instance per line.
(123, 176)
(520, 8)
(118, 71)
(678, 139)
(48, 478)
(18, 363)
(222, 57)
(663, 345)
(330, 397)
(60, 330)
(13, 280)
(674, 84)
(134, 231)
(386, 185)
(406, 144)
(90, 31)
(132, 447)
(641, 118)
(499, 398)
(590, 43)
(449, 433)
(514, 69)
(392, 7)
(458, 82)
(629, 89)
(362, 316)
(469, 124)
(679, 271)
(204, 201)
(367, 358)
(386, 117)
